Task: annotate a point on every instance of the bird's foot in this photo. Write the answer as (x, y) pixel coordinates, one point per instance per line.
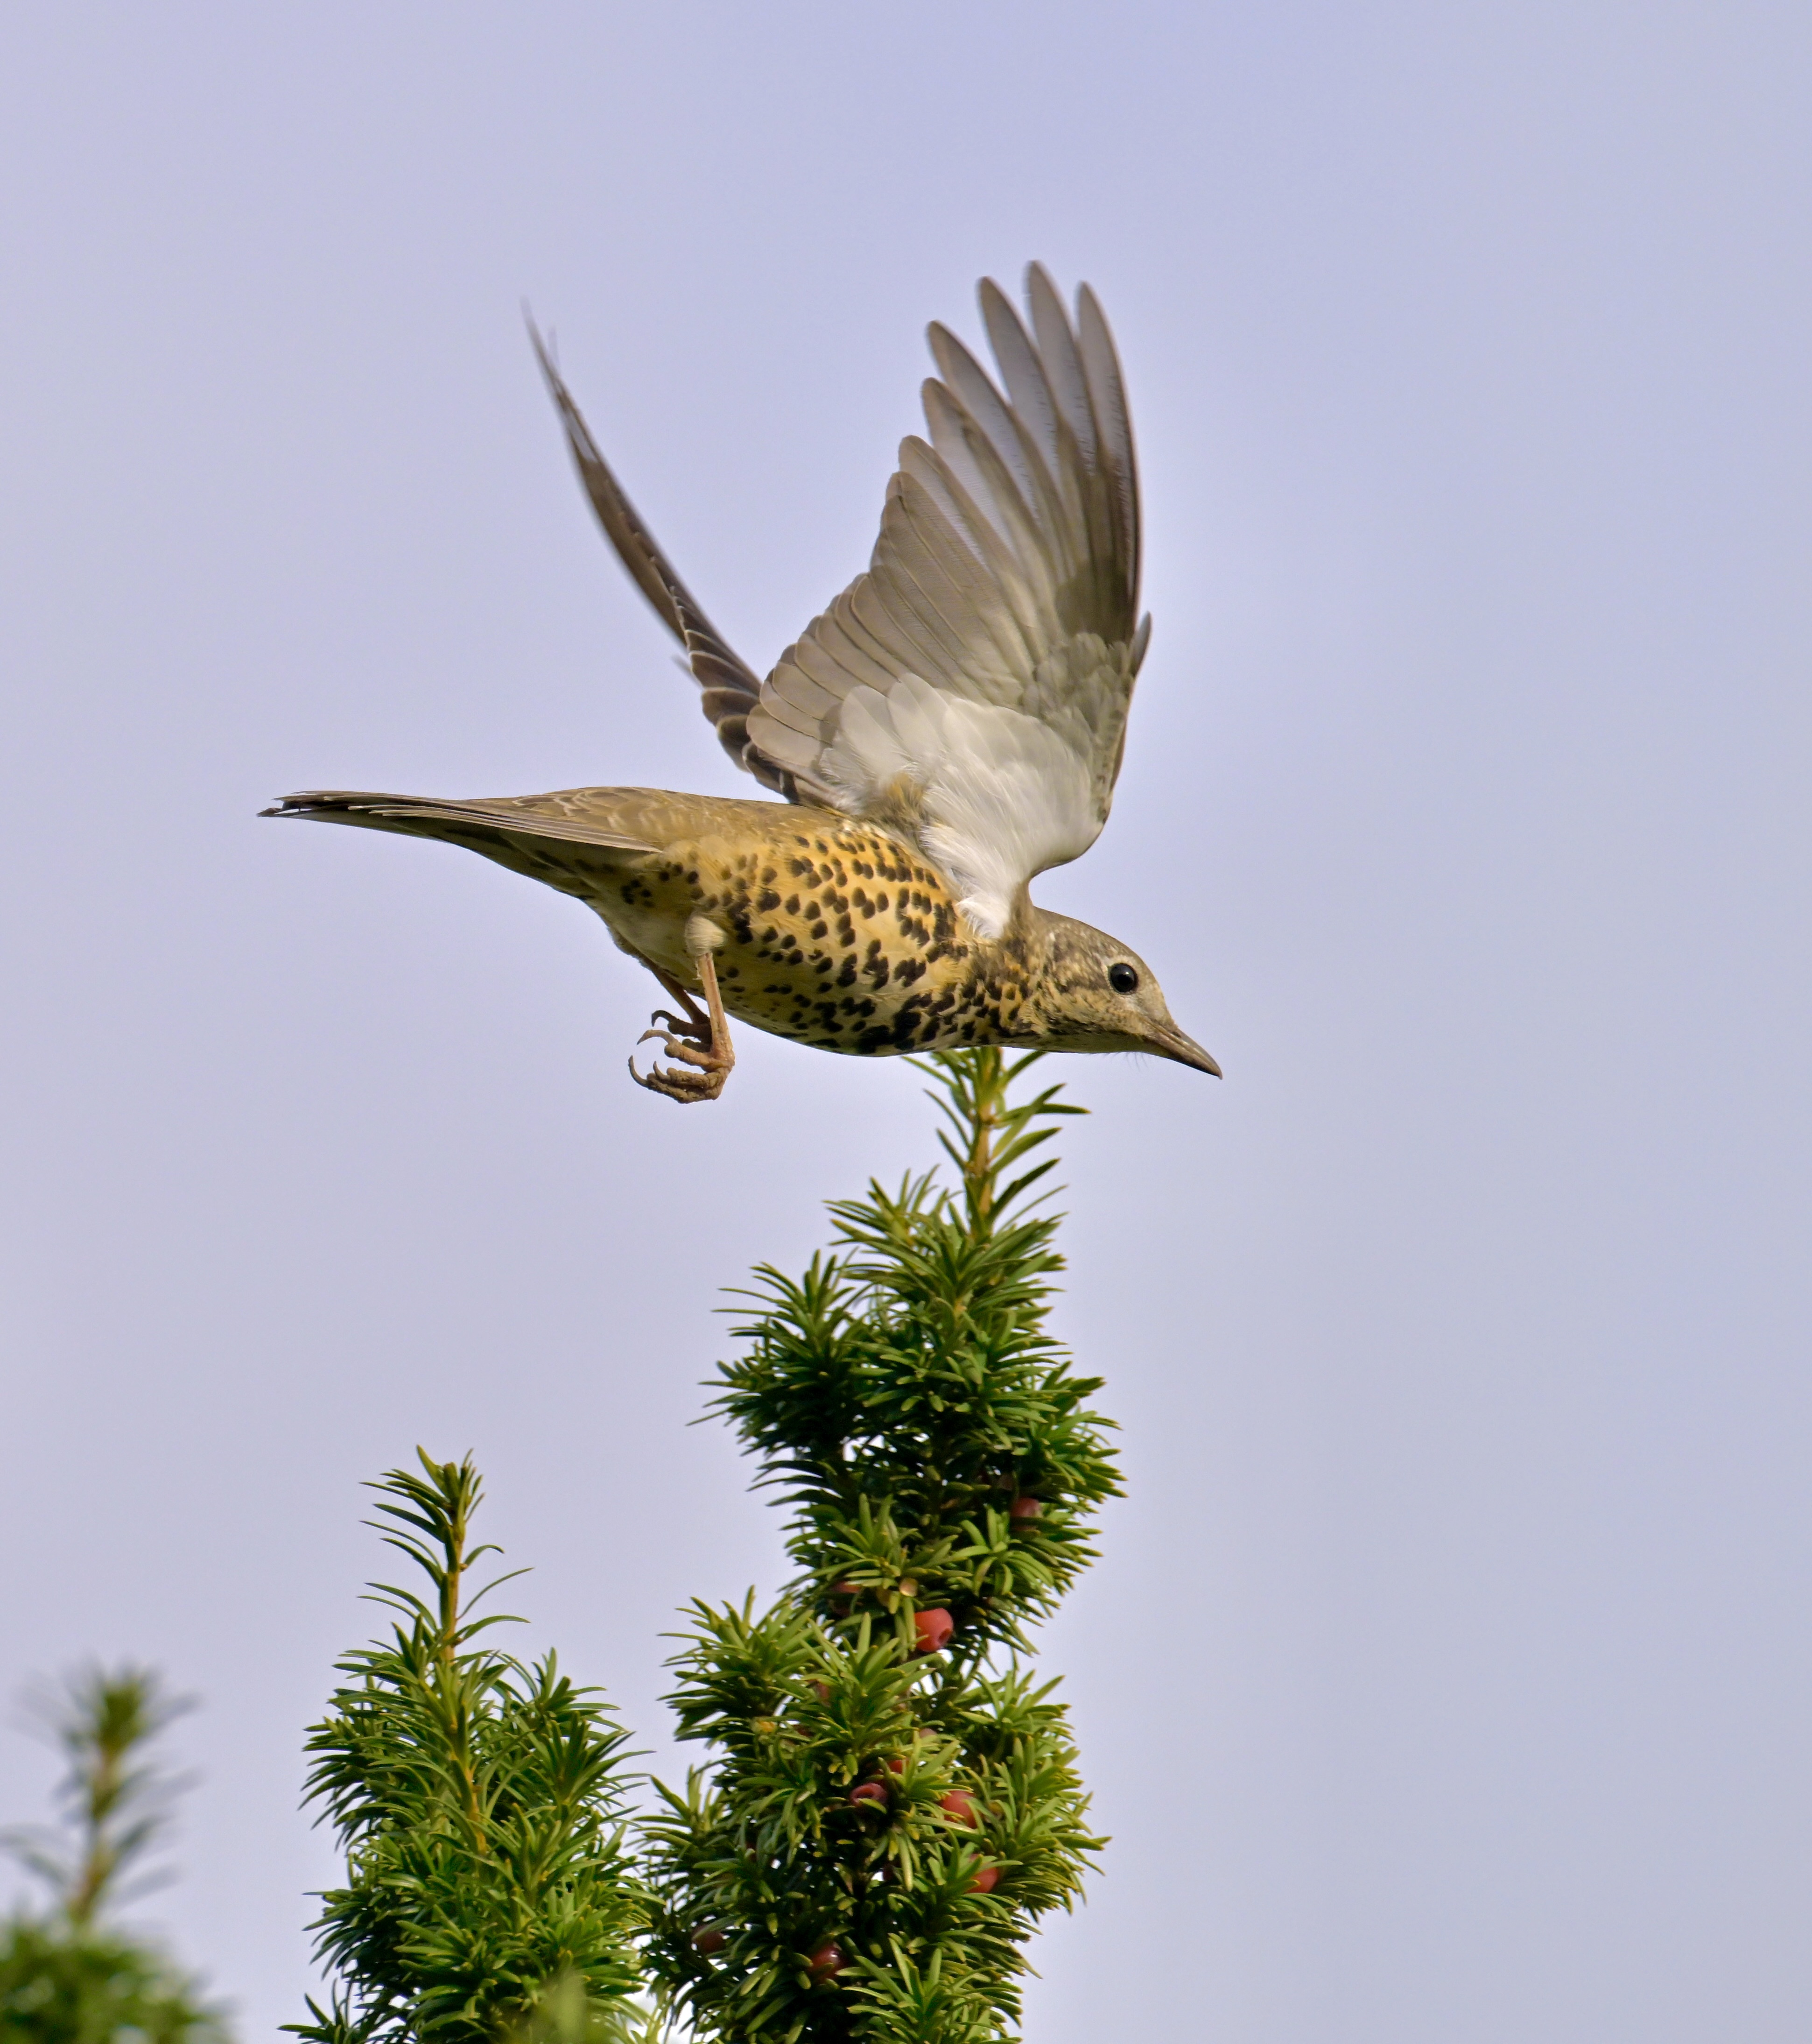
(699, 1076)
(700, 1042)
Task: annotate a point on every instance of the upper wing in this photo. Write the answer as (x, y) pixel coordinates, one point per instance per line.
(728, 684)
(971, 688)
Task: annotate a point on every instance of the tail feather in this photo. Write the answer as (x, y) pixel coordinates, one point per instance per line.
(532, 835)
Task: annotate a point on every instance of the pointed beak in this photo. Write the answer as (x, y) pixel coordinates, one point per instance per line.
(1184, 1050)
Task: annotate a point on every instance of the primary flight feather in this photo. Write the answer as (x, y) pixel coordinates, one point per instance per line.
(951, 726)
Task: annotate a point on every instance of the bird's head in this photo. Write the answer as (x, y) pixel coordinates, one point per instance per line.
(1097, 994)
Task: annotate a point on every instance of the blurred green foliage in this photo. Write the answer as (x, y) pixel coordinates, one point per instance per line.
(67, 1975)
(93, 1986)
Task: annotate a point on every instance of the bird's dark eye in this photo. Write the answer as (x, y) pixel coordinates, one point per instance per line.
(1121, 978)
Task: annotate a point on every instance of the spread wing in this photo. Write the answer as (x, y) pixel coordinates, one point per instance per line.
(971, 688)
(728, 687)
(970, 691)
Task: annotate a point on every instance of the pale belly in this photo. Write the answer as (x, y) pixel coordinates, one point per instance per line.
(843, 938)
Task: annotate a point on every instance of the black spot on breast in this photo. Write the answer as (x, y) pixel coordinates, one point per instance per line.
(767, 899)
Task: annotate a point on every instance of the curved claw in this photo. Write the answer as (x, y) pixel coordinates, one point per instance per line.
(693, 1029)
(700, 1044)
(705, 1081)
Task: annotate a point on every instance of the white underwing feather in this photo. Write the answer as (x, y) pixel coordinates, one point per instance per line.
(972, 686)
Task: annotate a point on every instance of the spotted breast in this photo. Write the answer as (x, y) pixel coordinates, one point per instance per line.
(822, 930)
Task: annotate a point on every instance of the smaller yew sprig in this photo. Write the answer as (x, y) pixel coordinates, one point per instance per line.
(478, 1800)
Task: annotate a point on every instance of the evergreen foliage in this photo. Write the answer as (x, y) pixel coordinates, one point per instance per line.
(94, 1986)
(895, 1800)
(68, 1977)
(479, 1802)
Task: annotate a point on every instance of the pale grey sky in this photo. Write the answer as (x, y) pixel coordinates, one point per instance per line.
(1446, 1679)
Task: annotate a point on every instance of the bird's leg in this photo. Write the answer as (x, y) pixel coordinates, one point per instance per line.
(700, 1040)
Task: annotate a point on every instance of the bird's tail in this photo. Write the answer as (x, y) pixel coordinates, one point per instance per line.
(532, 835)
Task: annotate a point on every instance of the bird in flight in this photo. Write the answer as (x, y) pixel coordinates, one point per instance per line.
(950, 727)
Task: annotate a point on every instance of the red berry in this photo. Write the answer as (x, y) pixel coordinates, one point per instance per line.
(897, 1766)
(958, 1806)
(932, 1630)
(820, 1690)
(709, 1938)
(1024, 1508)
(846, 1589)
(826, 1963)
(868, 1792)
(985, 1877)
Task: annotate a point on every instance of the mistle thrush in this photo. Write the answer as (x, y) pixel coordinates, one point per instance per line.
(952, 725)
